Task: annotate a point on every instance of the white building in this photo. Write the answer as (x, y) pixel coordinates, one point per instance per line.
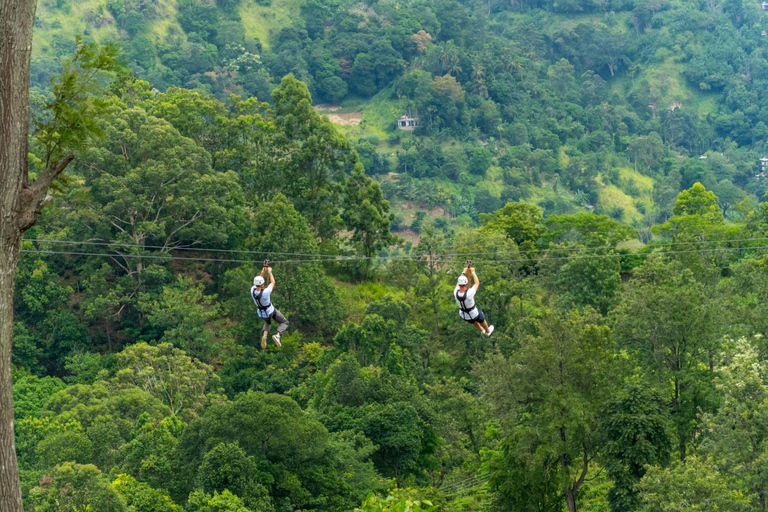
(407, 123)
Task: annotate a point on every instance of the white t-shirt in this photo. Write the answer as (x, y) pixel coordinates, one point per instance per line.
(264, 300)
(469, 303)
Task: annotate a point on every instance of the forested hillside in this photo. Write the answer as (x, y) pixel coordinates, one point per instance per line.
(598, 162)
(567, 104)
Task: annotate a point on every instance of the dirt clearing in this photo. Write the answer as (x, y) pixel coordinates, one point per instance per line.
(348, 119)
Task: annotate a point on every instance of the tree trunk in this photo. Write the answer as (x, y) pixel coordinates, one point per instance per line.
(10, 492)
(570, 500)
(18, 204)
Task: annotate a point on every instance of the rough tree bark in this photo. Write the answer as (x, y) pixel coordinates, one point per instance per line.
(20, 201)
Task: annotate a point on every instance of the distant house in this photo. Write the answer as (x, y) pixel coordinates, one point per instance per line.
(764, 5)
(407, 123)
(763, 164)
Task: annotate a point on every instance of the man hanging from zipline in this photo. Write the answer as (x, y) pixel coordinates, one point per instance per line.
(261, 296)
(465, 298)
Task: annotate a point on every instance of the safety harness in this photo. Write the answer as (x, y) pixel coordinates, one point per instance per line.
(462, 305)
(257, 298)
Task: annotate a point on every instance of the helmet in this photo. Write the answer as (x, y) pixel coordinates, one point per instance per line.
(463, 280)
(258, 281)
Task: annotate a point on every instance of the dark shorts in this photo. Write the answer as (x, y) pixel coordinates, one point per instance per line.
(480, 318)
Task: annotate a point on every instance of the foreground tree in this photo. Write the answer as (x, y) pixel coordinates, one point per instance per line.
(637, 436)
(670, 323)
(23, 196)
(549, 398)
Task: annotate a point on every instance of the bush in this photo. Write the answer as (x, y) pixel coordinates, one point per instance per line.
(486, 203)
(416, 224)
(397, 223)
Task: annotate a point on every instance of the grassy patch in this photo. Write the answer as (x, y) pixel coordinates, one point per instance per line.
(56, 26)
(667, 83)
(642, 182)
(493, 181)
(379, 113)
(263, 21)
(166, 18)
(611, 196)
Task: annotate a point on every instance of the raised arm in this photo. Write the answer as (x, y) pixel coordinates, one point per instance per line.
(271, 278)
(474, 277)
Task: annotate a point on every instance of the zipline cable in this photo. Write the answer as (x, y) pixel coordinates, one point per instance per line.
(417, 258)
(199, 249)
(335, 256)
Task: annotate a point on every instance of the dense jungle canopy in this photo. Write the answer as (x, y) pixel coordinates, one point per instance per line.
(599, 161)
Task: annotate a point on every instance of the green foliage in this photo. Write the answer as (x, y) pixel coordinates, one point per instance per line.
(637, 433)
(76, 487)
(590, 280)
(143, 498)
(651, 114)
(550, 403)
(226, 467)
(275, 432)
(390, 504)
(70, 118)
(167, 373)
(521, 222)
(31, 433)
(691, 485)
(224, 502)
(656, 321)
(31, 393)
(590, 230)
(696, 201)
(158, 183)
(737, 445)
(318, 157)
(366, 213)
(182, 316)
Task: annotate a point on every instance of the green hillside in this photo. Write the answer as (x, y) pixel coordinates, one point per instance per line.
(626, 85)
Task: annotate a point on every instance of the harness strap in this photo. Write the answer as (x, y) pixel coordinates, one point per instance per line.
(462, 305)
(257, 298)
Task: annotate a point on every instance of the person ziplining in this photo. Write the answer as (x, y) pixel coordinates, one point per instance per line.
(262, 297)
(465, 298)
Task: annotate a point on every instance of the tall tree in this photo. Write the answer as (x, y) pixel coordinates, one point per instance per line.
(23, 196)
(366, 213)
(16, 207)
(548, 397)
(669, 321)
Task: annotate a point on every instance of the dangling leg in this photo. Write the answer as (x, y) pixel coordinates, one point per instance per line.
(265, 331)
(282, 325)
(483, 324)
(479, 327)
(488, 329)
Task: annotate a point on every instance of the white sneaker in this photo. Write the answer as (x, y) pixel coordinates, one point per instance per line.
(277, 340)
(264, 342)
(490, 330)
